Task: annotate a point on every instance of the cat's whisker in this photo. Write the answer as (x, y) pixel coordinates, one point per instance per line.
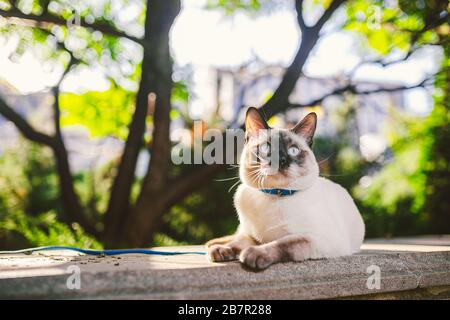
(262, 177)
(255, 178)
(234, 185)
(255, 175)
(254, 171)
(258, 182)
(323, 160)
(262, 181)
(257, 156)
(226, 179)
(333, 175)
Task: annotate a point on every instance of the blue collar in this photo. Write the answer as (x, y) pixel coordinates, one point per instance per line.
(279, 192)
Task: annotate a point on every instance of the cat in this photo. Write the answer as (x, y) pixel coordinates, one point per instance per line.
(287, 212)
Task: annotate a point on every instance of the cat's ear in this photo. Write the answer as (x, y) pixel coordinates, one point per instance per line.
(306, 127)
(254, 122)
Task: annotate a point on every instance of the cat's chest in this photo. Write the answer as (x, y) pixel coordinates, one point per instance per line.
(267, 217)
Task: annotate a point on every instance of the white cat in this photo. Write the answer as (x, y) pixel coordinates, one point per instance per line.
(287, 212)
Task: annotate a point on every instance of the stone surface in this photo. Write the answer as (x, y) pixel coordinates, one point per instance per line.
(410, 267)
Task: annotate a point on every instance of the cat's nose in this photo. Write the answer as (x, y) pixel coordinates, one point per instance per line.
(283, 162)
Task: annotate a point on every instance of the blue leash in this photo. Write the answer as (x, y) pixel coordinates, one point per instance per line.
(102, 252)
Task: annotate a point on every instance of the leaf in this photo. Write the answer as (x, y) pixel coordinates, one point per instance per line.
(106, 113)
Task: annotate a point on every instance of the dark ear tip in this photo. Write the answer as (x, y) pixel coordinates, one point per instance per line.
(254, 115)
(251, 109)
(312, 114)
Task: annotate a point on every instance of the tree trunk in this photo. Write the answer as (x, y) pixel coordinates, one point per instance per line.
(72, 207)
(144, 221)
(156, 78)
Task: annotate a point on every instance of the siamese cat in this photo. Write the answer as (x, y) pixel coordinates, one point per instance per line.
(287, 212)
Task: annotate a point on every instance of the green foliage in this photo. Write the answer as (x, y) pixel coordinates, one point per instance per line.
(399, 198)
(28, 175)
(406, 195)
(163, 240)
(93, 188)
(106, 113)
(29, 203)
(409, 194)
(436, 161)
(377, 23)
(388, 26)
(231, 6)
(256, 7)
(180, 92)
(407, 145)
(115, 58)
(21, 230)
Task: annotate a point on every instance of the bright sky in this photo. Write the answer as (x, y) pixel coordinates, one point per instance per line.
(202, 38)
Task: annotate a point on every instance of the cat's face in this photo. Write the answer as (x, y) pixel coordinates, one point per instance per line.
(278, 158)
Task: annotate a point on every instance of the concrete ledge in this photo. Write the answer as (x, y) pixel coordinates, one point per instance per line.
(415, 268)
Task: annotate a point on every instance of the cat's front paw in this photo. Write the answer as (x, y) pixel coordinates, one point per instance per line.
(256, 257)
(221, 253)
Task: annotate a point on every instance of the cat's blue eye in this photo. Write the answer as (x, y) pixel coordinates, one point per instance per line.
(264, 148)
(293, 151)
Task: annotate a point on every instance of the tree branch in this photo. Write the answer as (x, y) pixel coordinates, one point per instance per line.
(309, 39)
(299, 10)
(190, 181)
(352, 89)
(56, 91)
(327, 14)
(23, 126)
(47, 18)
(413, 47)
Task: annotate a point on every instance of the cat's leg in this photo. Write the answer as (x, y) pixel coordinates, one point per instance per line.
(289, 248)
(229, 250)
(221, 240)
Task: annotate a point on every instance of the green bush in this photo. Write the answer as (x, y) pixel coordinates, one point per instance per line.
(18, 230)
(30, 212)
(410, 194)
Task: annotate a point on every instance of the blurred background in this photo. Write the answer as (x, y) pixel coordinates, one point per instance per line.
(85, 152)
